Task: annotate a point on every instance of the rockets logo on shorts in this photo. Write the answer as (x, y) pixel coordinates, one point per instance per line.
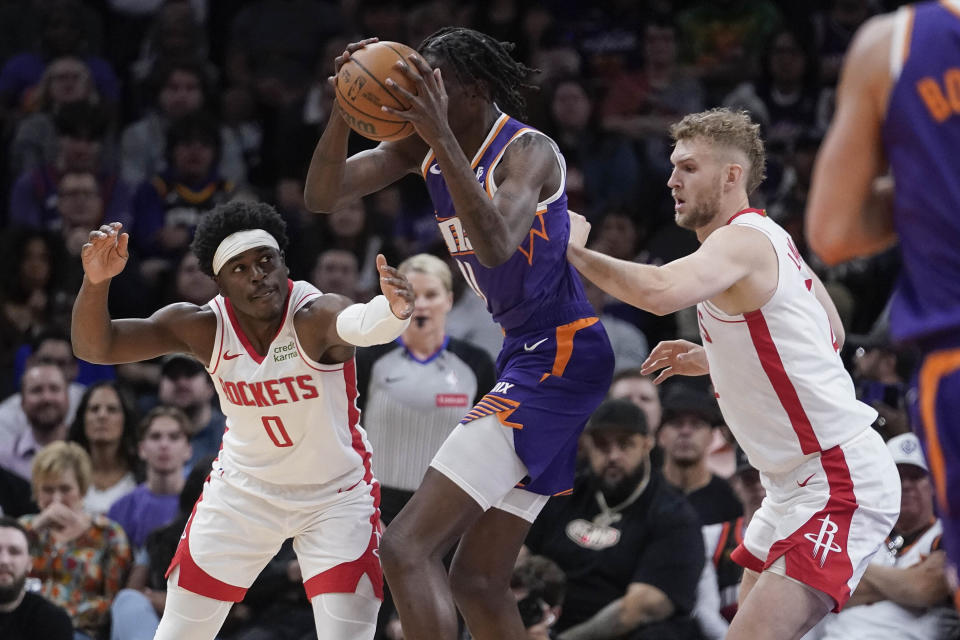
(824, 540)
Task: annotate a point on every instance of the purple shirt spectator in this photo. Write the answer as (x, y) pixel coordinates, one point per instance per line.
(141, 511)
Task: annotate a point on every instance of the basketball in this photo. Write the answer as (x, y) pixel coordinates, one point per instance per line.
(362, 90)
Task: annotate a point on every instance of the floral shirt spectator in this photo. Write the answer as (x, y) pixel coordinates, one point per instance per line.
(84, 574)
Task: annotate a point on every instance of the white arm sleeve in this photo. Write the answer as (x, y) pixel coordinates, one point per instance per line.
(372, 323)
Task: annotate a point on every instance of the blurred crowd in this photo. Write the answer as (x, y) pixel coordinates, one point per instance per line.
(152, 112)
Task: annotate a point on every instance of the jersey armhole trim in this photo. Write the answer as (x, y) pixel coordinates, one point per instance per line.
(491, 184)
(900, 44)
(220, 335)
(770, 239)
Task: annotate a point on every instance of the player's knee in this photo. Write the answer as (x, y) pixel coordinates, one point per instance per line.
(399, 553)
(473, 588)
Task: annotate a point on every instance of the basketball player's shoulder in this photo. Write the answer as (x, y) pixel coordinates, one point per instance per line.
(870, 50)
(186, 315)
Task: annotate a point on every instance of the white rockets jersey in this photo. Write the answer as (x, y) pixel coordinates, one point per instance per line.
(887, 619)
(290, 420)
(777, 372)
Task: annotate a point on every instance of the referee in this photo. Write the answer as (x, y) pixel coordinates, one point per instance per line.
(415, 390)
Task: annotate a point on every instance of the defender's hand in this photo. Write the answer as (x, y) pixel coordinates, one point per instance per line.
(105, 253)
(396, 288)
(676, 358)
(428, 107)
(579, 229)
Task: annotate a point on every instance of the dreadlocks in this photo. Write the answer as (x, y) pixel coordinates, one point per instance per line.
(477, 57)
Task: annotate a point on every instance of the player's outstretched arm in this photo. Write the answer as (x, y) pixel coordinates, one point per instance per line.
(676, 358)
(98, 338)
(725, 257)
(333, 180)
(849, 211)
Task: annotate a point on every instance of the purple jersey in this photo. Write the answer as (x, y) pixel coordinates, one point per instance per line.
(536, 287)
(921, 135)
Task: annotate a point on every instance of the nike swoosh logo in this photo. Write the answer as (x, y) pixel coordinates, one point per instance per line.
(531, 347)
(231, 356)
(804, 483)
(435, 169)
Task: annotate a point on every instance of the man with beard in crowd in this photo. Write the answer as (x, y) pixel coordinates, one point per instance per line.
(45, 401)
(629, 543)
(24, 615)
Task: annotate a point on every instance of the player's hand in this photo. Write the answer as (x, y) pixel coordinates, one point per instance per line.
(676, 358)
(56, 516)
(105, 253)
(396, 288)
(428, 107)
(579, 229)
(341, 59)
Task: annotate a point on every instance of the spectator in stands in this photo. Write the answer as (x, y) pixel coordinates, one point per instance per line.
(80, 206)
(61, 34)
(105, 426)
(686, 433)
(720, 540)
(540, 586)
(184, 384)
(337, 271)
(180, 89)
(164, 448)
(136, 610)
(49, 346)
(25, 615)
(65, 80)
(82, 134)
(170, 204)
(43, 392)
(190, 283)
(880, 374)
(904, 592)
(602, 169)
(639, 389)
(31, 293)
(415, 390)
(81, 560)
(629, 543)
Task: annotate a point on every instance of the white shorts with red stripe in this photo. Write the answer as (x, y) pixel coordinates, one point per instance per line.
(239, 523)
(827, 517)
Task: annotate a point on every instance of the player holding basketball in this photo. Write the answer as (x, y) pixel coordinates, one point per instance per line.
(898, 102)
(498, 189)
(294, 461)
(770, 340)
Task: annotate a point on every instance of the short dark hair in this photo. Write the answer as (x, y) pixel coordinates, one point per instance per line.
(6, 522)
(163, 411)
(228, 218)
(128, 438)
(198, 125)
(477, 57)
(165, 68)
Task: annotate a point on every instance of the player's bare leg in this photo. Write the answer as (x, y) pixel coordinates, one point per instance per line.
(412, 552)
(777, 608)
(481, 572)
(342, 616)
(746, 584)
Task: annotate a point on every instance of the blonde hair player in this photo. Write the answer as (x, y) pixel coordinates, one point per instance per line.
(295, 463)
(771, 338)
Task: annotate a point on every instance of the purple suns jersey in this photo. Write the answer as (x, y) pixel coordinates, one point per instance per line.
(921, 135)
(536, 287)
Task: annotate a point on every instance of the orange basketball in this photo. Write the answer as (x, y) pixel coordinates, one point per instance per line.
(362, 90)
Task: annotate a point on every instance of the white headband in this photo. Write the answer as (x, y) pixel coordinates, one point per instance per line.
(236, 243)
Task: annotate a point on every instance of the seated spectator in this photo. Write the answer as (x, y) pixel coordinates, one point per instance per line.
(25, 615)
(51, 346)
(80, 559)
(169, 206)
(415, 390)
(164, 447)
(61, 33)
(904, 593)
(82, 134)
(720, 540)
(639, 389)
(80, 209)
(105, 426)
(184, 384)
(539, 586)
(686, 433)
(136, 610)
(190, 283)
(44, 400)
(629, 543)
(31, 294)
(65, 80)
(337, 271)
(180, 89)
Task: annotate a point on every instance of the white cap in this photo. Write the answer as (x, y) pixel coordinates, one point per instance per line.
(905, 449)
